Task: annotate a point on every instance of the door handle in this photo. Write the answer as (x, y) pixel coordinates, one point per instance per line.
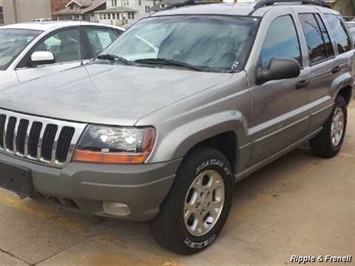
(336, 69)
(302, 84)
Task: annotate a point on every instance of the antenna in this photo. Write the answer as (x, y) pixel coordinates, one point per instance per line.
(81, 35)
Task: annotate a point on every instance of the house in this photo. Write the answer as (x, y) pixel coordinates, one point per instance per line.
(120, 12)
(57, 5)
(80, 10)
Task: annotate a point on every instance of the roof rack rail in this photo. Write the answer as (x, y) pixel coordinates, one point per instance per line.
(188, 3)
(263, 3)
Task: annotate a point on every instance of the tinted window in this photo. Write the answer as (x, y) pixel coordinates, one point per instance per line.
(101, 38)
(64, 45)
(339, 33)
(325, 35)
(281, 45)
(314, 38)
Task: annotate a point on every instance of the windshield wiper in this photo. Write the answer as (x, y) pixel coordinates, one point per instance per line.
(113, 58)
(170, 62)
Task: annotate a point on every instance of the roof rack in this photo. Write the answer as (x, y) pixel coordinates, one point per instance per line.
(188, 3)
(263, 3)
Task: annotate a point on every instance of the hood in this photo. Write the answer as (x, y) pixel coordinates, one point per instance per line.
(105, 93)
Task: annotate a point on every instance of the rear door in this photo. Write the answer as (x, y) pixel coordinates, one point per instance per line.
(324, 61)
(321, 55)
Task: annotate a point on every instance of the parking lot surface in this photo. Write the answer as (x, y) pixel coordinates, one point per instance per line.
(299, 205)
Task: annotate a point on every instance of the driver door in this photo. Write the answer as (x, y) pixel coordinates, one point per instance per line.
(65, 45)
(277, 119)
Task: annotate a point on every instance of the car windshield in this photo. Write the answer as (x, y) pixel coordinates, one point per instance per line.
(218, 43)
(13, 42)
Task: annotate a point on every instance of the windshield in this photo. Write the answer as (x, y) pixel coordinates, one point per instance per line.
(211, 42)
(12, 43)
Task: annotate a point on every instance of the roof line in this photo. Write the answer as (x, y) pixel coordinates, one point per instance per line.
(73, 1)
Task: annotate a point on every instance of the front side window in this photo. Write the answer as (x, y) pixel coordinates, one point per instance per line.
(317, 49)
(339, 33)
(285, 45)
(65, 45)
(13, 42)
(215, 42)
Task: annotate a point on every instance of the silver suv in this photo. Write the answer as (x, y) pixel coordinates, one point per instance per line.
(185, 104)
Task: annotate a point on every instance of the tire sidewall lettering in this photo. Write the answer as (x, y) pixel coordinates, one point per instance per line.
(199, 245)
(212, 162)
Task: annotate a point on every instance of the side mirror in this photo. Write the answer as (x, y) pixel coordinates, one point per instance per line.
(42, 58)
(279, 68)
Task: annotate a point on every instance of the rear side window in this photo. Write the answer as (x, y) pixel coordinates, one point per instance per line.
(317, 38)
(325, 36)
(285, 45)
(101, 38)
(339, 33)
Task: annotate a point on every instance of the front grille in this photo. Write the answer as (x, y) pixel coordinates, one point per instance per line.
(47, 141)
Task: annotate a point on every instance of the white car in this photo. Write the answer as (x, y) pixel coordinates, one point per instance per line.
(32, 50)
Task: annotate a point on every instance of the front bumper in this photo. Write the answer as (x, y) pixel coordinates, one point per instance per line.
(86, 185)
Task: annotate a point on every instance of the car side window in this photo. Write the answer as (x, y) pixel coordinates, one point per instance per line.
(64, 45)
(100, 39)
(339, 33)
(318, 43)
(285, 45)
(325, 35)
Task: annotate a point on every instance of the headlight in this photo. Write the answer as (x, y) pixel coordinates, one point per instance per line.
(121, 145)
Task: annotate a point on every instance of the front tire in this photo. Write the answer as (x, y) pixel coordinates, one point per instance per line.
(328, 142)
(196, 208)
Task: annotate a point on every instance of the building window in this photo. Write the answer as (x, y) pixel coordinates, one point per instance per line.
(114, 3)
(129, 15)
(140, 2)
(132, 15)
(1, 16)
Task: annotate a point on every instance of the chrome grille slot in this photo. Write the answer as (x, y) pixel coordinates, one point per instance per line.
(21, 136)
(2, 129)
(33, 139)
(63, 143)
(47, 141)
(10, 131)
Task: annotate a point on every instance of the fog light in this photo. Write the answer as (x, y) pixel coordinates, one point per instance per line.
(116, 208)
